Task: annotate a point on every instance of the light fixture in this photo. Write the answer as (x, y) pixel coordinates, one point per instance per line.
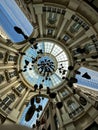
(30, 113)
(70, 68)
(19, 31)
(86, 75)
(35, 87)
(52, 95)
(32, 101)
(59, 105)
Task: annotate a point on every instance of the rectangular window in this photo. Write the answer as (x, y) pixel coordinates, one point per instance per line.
(73, 17)
(49, 9)
(8, 103)
(50, 31)
(5, 100)
(78, 23)
(4, 107)
(85, 26)
(20, 88)
(12, 74)
(44, 9)
(90, 47)
(75, 27)
(54, 10)
(73, 106)
(58, 11)
(63, 12)
(64, 93)
(12, 58)
(66, 37)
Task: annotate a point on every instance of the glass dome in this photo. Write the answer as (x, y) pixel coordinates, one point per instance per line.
(46, 64)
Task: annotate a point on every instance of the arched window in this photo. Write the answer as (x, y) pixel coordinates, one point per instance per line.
(52, 18)
(72, 105)
(75, 27)
(6, 102)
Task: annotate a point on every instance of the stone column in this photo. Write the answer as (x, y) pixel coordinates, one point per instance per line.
(52, 117)
(59, 100)
(38, 11)
(4, 90)
(61, 28)
(30, 5)
(8, 48)
(23, 100)
(59, 116)
(59, 119)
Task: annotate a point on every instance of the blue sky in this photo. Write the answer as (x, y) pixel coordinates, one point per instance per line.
(90, 83)
(10, 16)
(33, 119)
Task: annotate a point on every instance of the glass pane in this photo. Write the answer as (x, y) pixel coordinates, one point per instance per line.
(75, 27)
(20, 88)
(89, 83)
(8, 103)
(43, 102)
(45, 69)
(56, 50)
(5, 99)
(48, 47)
(61, 57)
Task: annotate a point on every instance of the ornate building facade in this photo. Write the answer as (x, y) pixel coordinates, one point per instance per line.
(46, 63)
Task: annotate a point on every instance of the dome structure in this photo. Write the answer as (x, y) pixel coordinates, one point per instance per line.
(47, 65)
(49, 79)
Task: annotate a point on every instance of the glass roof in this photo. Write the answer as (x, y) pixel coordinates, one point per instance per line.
(89, 83)
(47, 64)
(10, 16)
(43, 102)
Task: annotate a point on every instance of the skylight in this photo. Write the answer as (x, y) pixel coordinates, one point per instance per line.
(91, 83)
(50, 65)
(10, 16)
(43, 102)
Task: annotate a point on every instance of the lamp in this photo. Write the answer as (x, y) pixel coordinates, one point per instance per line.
(52, 95)
(19, 31)
(59, 105)
(35, 87)
(32, 101)
(70, 68)
(30, 113)
(86, 75)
